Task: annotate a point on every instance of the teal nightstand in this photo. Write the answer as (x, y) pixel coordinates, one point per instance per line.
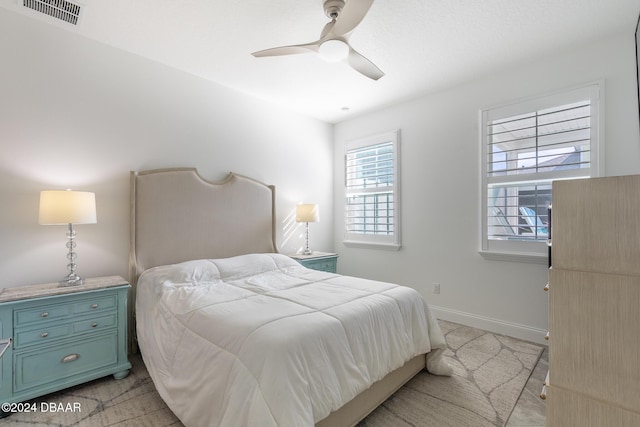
(62, 336)
(321, 261)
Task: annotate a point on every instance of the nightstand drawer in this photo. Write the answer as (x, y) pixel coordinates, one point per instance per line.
(41, 335)
(45, 334)
(322, 261)
(94, 304)
(321, 265)
(47, 365)
(95, 323)
(41, 314)
(52, 312)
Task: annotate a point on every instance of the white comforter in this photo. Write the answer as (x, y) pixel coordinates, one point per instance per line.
(259, 340)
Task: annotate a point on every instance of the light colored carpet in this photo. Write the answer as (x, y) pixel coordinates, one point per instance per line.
(490, 372)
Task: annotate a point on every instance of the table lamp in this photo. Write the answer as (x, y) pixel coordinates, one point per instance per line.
(68, 207)
(307, 213)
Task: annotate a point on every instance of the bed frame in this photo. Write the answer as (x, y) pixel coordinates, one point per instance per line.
(177, 216)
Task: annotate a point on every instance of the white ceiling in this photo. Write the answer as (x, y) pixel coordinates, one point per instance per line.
(421, 45)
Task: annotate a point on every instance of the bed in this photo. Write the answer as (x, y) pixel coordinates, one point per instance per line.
(234, 333)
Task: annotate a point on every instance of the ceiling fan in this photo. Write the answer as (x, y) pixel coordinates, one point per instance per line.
(333, 44)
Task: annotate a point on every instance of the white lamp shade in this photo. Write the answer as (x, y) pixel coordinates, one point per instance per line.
(67, 207)
(307, 213)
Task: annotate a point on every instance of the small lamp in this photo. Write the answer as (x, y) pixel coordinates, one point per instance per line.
(307, 213)
(68, 207)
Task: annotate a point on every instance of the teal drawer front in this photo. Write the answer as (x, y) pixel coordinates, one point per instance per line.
(95, 323)
(328, 264)
(51, 364)
(53, 312)
(49, 332)
(94, 304)
(41, 314)
(41, 335)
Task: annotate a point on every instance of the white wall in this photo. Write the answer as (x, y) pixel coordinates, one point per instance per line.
(440, 180)
(78, 114)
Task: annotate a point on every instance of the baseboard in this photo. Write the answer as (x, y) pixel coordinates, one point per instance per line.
(515, 330)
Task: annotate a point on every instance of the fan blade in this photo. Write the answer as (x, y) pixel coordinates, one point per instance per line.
(288, 50)
(351, 15)
(327, 28)
(363, 65)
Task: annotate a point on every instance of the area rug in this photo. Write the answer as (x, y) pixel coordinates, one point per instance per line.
(490, 372)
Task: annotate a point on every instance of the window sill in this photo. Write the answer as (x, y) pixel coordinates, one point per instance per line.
(530, 258)
(370, 245)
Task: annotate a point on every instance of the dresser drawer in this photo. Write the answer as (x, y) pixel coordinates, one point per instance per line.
(94, 304)
(61, 363)
(41, 314)
(321, 261)
(95, 323)
(53, 312)
(321, 265)
(41, 335)
(48, 333)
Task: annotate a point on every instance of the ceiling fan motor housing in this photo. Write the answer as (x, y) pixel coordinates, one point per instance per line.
(332, 8)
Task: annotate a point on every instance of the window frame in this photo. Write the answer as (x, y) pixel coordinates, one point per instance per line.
(536, 251)
(366, 240)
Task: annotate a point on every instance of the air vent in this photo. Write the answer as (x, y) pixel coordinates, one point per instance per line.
(60, 9)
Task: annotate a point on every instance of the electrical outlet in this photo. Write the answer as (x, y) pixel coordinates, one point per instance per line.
(436, 288)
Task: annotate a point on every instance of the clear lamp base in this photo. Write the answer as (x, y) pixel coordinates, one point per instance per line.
(71, 280)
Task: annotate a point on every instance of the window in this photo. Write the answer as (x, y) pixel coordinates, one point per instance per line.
(526, 146)
(372, 196)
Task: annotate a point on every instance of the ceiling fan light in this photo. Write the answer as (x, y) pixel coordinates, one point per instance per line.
(333, 50)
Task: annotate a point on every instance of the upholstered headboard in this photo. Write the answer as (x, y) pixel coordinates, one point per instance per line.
(177, 216)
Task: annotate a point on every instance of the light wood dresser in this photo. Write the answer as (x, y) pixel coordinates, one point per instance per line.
(594, 304)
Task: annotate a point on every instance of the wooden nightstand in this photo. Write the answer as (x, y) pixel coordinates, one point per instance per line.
(322, 261)
(62, 336)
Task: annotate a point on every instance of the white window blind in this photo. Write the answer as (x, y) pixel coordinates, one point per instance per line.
(371, 187)
(526, 146)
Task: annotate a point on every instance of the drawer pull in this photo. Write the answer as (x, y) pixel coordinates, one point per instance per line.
(94, 305)
(543, 393)
(45, 334)
(44, 314)
(94, 324)
(546, 287)
(546, 337)
(70, 358)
